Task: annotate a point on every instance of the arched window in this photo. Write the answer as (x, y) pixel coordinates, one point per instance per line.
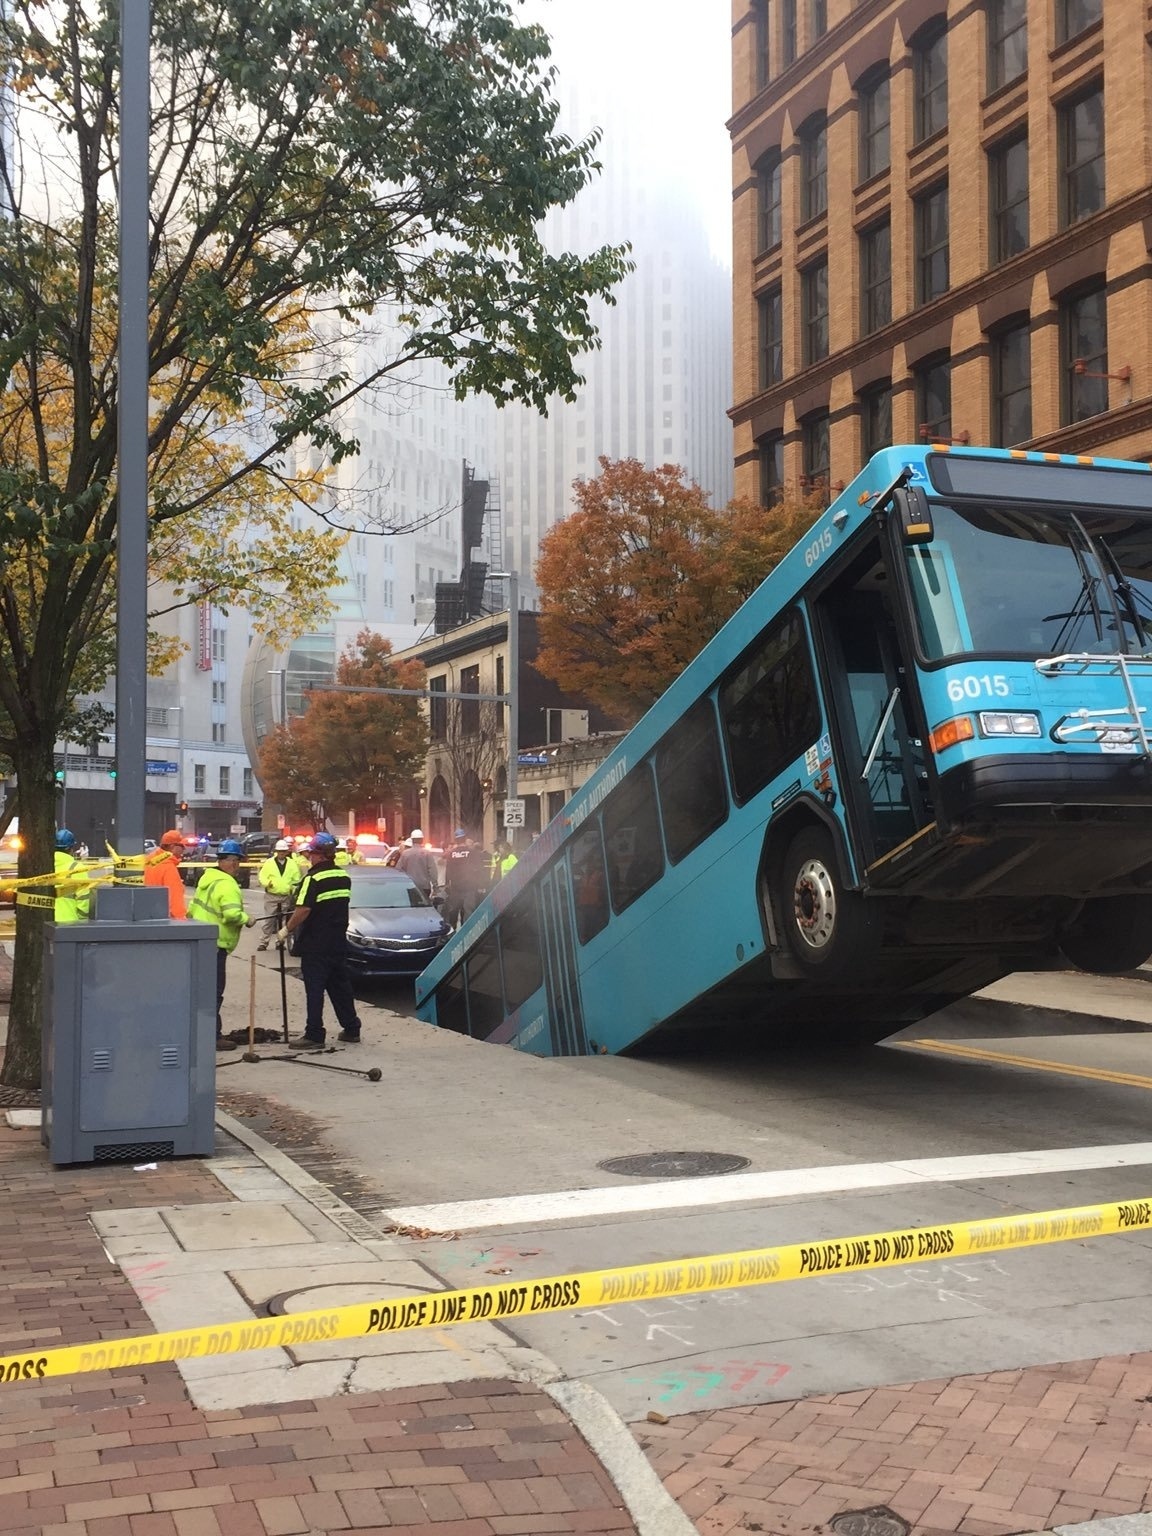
(768, 223)
(930, 76)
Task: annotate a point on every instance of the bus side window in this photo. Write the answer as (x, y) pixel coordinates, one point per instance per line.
(632, 843)
(520, 944)
(690, 776)
(451, 1009)
(485, 994)
(589, 884)
(769, 707)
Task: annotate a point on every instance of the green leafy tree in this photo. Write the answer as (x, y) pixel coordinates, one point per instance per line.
(309, 162)
(641, 576)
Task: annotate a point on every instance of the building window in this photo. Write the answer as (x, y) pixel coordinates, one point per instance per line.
(1008, 183)
(771, 338)
(875, 277)
(930, 74)
(771, 451)
(813, 168)
(787, 33)
(1082, 157)
(816, 452)
(819, 18)
(932, 245)
(469, 709)
(1012, 386)
(218, 730)
(249, 784)
(876, 419)
(1076, 16)
(934, 399)
(814, 300)
(763, 55)
(199, 778)
(1007, 41)
(437, 708)
(768, 172)
(1084, 342)
(225, 780)
(875, 125)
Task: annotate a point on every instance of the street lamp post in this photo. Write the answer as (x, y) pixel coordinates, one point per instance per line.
(513, 581)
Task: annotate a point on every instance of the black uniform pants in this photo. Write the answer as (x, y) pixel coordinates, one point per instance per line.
(221, 982)
(328, 975)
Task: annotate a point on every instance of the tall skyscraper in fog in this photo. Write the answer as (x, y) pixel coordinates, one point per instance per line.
(659, 387)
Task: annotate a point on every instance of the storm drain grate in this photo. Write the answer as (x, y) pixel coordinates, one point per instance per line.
(878, 1521)
(674, 1165)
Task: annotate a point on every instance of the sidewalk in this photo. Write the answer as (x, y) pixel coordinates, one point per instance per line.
(129, 1455)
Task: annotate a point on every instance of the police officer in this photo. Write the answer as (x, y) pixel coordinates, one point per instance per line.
(217, 899)
(279, 876)
(73, 906)
(319, 921)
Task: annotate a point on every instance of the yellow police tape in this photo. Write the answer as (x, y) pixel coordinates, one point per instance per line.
(597, 1288)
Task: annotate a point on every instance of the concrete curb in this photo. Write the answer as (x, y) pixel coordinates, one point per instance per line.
(653, 1510)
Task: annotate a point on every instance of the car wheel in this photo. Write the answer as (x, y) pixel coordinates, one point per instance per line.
(830, 931)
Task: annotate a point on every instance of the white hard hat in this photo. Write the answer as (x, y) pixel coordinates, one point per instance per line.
(283, 846)
(416, 833)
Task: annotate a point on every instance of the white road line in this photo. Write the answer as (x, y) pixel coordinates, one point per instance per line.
(728, 1189)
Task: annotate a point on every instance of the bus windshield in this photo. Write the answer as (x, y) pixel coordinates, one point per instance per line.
(1044, 581)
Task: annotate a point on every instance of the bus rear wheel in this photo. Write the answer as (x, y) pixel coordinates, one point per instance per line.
(1111, 934)
(829, 930)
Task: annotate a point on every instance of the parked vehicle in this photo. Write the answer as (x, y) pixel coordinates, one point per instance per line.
(392, 930)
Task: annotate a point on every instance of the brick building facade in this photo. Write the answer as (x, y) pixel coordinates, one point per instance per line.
(942, 228)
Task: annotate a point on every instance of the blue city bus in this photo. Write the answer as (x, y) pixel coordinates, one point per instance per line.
(916, 760)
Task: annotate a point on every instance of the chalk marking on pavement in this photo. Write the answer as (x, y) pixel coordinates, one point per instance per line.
(591, 1289)
(525, 1211)
(1036, 1063)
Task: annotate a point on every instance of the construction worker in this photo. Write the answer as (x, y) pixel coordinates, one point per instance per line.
(71, 906)
(300, 857)
(419, 865)
(353, 852)
(280, 876)
(320, 921)
(217, 899)
(503, 860)
(162, 868)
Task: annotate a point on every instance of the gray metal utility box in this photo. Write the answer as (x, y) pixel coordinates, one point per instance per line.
(129, 1055)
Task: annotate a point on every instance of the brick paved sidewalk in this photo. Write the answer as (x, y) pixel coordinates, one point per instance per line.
(1014, 1451)
(126, 1454)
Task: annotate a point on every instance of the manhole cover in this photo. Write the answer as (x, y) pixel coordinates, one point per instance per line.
(674, 1165)
(879, 1521)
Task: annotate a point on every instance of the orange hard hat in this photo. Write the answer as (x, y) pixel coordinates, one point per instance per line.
(172, 839)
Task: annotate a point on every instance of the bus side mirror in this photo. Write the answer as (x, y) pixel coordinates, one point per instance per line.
(915, 515)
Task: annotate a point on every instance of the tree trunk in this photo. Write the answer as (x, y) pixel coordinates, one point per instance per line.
(34, 771)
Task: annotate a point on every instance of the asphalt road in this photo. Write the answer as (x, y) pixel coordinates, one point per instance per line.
(500, 1151)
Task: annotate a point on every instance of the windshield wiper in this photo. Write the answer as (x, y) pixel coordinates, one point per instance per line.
(1085, 601)
(1127, 593)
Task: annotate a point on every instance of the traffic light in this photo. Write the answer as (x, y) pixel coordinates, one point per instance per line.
(59, 775)
(112, 771)
(183, 807)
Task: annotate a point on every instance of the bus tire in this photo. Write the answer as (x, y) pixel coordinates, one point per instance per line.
(829, 930)
(1110, 934)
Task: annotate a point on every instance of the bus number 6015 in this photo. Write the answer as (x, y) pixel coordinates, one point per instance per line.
(818, 547)
(973, 687)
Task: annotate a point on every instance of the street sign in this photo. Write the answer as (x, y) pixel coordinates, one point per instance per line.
(513, 814)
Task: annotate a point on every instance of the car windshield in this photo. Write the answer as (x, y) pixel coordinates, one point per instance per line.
(1005, 582)
(398, 891)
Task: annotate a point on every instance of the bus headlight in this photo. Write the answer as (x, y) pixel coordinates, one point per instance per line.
(1000, 723)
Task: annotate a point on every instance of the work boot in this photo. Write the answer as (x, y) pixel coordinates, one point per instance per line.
(263, 944)
(224, 1045)
(304, 1043)
(347, 1038)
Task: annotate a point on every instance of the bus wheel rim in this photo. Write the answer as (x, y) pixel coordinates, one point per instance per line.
(814, 902)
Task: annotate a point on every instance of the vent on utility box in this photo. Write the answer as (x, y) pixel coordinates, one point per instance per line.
(133, 1152)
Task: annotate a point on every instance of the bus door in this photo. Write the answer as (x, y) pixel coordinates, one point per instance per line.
(869, 687)
(557, 941)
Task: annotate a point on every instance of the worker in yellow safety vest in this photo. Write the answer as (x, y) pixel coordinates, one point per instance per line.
(72, 906)
(218, 900)
(280, 877)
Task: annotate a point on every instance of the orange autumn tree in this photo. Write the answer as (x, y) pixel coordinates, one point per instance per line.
(641, 576)
(350, 751)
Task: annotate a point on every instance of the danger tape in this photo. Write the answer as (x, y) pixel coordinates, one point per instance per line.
(597, 1288)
